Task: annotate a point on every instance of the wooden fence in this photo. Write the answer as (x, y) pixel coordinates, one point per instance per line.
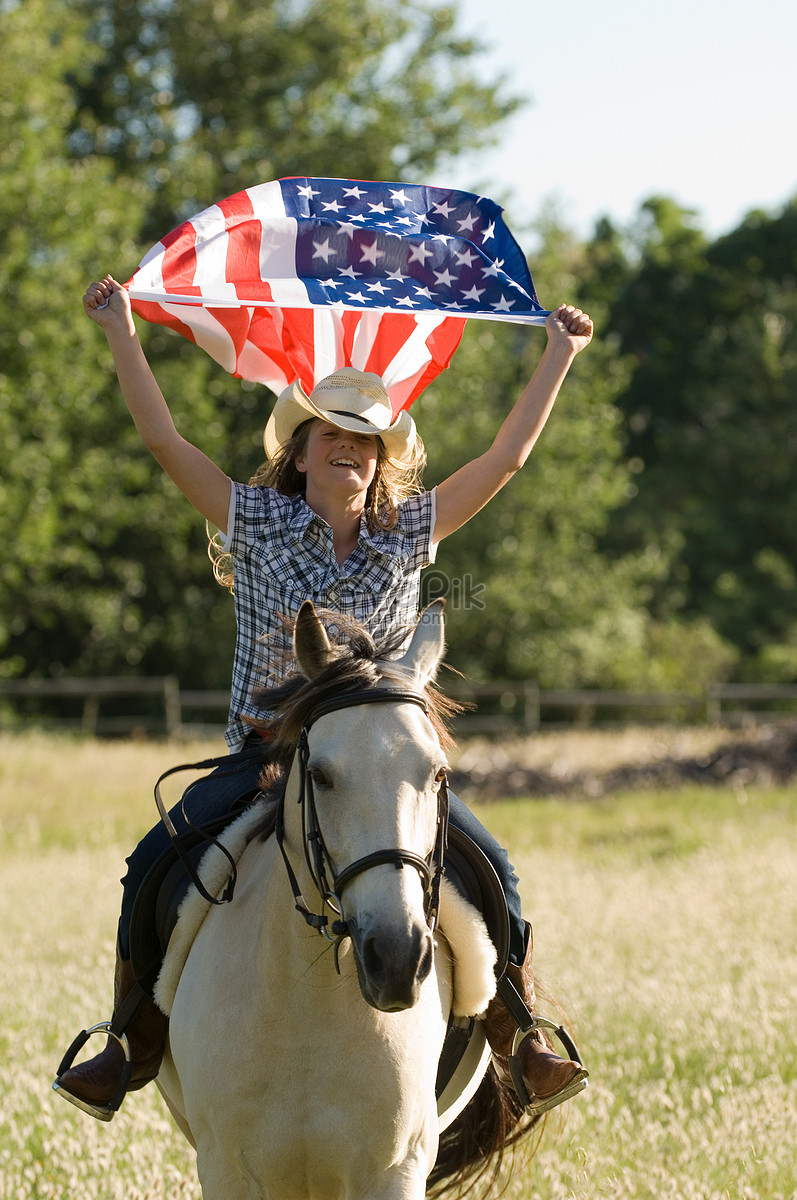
(158, 705)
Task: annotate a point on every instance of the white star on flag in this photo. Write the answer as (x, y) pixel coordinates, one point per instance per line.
(322, 250)
(419, 254)
(371, 253)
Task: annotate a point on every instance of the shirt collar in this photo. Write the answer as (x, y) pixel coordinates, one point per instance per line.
(302, 517)
(381, 541)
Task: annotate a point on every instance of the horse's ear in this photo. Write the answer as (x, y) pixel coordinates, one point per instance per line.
(428, 644)
(311, 646)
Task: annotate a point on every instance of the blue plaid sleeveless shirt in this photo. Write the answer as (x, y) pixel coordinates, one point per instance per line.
(283, 554)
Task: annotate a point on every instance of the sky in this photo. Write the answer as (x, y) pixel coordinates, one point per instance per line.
(692, 99)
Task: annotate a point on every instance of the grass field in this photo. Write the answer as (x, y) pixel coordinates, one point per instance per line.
(664, 922)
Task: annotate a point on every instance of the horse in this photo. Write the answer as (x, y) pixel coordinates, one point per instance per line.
(303, 1067)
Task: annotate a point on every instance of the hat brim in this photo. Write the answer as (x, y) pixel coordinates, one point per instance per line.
(294, 406)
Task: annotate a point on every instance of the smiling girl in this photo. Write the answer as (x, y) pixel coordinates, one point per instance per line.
(336, 515)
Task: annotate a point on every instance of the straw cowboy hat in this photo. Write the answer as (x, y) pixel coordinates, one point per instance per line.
(353, 400)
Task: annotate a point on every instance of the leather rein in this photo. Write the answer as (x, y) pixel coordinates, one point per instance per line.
(329, 884)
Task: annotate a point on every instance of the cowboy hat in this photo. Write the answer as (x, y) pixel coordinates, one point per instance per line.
(350, 399)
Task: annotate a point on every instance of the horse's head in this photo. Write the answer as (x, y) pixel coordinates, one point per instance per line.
(372, 772)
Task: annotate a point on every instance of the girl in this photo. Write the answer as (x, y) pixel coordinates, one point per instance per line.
(337, 515)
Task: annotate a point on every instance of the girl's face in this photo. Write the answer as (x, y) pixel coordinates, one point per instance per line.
(335, 458)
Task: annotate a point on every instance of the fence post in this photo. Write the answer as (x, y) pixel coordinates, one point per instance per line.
(172, 707)
(91, 711)
(713, 704)
(531, 705)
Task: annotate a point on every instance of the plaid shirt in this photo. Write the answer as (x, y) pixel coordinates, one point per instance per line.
(283, 554)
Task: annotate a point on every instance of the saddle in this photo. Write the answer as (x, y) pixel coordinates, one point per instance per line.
(465, 1054)
(157, 903)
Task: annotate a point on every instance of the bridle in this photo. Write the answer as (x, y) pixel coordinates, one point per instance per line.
(330, 884)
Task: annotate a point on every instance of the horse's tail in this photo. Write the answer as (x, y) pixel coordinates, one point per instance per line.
(472, 1149)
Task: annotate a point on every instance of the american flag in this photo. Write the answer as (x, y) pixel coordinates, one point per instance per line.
(296, 278)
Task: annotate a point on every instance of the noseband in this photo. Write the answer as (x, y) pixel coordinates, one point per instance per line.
(317, 857)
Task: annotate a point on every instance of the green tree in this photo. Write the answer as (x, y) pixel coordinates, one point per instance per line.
(122, 117)
(529, 593)
(204, 97)
(53, 215)
(711, 330)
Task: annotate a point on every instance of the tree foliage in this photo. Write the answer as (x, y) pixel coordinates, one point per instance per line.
(650, 540)
(203, 97)
(709, 423)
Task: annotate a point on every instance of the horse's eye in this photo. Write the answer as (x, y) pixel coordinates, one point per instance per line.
(441, 774)
(319, 777)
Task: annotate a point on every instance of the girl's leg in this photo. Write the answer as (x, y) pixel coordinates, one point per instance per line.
(463, 819)
(548, 1079)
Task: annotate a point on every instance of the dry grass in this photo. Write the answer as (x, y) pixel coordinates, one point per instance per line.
(66, 791)
(569, 753)
(665, 922)
(666, 925)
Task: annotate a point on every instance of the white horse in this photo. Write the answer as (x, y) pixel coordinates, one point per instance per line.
(287, 1083)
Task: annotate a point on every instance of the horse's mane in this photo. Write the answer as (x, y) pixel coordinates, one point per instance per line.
(359, 664)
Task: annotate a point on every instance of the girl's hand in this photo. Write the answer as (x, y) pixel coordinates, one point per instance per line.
(569, 326)
(107, 302)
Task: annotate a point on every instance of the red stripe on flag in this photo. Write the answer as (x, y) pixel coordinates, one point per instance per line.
(264, 337)
(442, 342)
(179, 262)
(243, 248)
(236, 322)
(236, 208)
(394, 330)
(298, 338)
(149, 311)
(350, 321)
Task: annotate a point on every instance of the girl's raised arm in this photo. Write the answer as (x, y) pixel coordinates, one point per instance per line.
(200, 480)
(466, 491)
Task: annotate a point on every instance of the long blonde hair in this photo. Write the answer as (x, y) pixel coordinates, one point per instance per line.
(393, 483)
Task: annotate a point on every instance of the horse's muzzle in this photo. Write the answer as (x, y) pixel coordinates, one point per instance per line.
(391, 970)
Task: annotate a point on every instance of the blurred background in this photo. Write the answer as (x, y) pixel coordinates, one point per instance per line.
(644, 156)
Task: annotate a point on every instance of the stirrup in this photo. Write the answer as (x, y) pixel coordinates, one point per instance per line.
(533, 1105)
(103, 1112)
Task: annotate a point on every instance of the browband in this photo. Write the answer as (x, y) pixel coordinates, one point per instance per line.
(366, 696)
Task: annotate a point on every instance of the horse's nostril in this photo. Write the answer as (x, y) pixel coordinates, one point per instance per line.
(372, 960)
(426, 959)
(396, 969)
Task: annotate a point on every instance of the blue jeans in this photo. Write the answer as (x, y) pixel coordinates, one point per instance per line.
(220, 792)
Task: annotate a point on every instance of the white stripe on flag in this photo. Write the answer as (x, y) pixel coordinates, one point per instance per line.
(278, 247)
(364, 337)
(152, 261)
(212, 242)
(254, 364)
(415, 350)
(208, 333)
(327, 342)
(414, 356)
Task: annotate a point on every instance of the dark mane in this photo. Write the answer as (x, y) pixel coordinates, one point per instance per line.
(360, 663)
